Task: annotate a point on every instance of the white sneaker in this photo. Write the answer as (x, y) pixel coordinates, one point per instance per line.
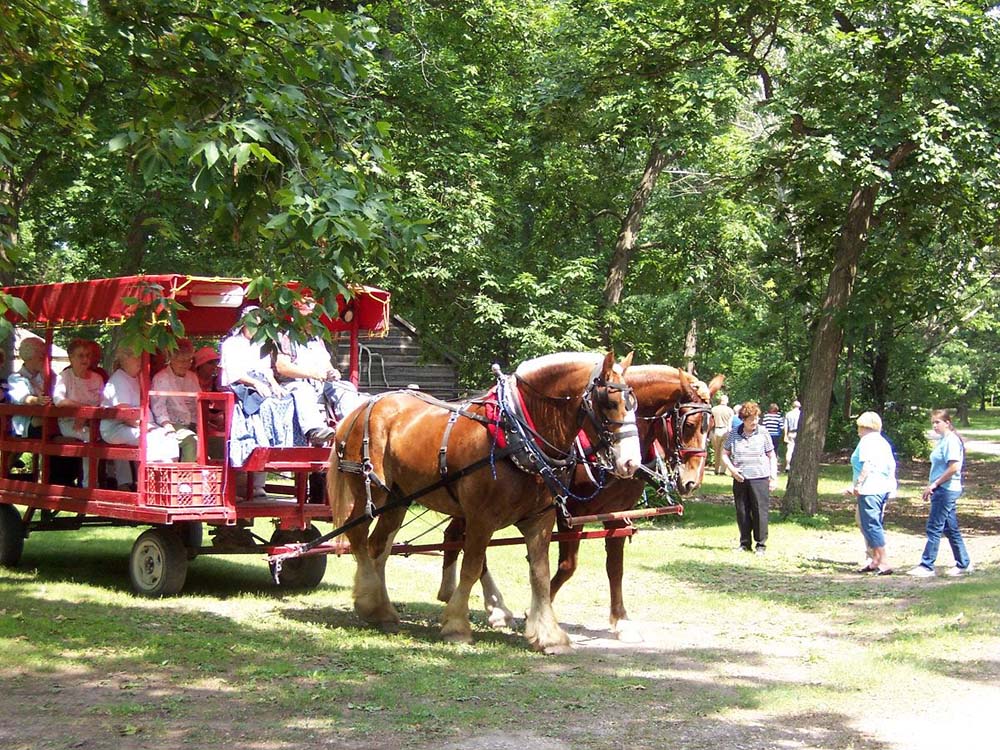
(921, 572)
(956, 571)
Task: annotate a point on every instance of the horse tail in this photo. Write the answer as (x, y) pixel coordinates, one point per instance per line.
(338, 492)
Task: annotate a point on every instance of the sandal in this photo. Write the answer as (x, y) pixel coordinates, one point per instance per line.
(869, 568)
(884, 572)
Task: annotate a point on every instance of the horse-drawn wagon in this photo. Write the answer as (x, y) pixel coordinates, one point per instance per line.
(176, 500)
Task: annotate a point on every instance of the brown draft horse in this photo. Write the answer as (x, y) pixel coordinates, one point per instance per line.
(673, 415)
(403, 446)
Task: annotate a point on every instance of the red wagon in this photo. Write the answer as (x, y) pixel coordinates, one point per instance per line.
(176, 500)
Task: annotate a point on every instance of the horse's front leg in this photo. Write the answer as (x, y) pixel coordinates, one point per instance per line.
(614, 550)
(541, 627)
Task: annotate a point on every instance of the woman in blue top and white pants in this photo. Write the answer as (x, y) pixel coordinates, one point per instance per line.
(943, 490)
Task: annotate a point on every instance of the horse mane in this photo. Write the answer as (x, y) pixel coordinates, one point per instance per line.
(546, 361)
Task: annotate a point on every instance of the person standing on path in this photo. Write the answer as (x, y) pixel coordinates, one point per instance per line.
(943, 490)
(749, 455)
(722, 417)
(874, 469)
(791, 430)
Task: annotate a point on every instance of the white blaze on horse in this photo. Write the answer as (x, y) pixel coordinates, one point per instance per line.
(674, 418)
(480, 461)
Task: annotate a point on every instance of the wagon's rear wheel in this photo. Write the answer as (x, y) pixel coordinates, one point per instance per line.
(11, 536)
(158, 563)
(299, 572)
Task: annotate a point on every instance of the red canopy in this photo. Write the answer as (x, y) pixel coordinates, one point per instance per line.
(211, 305)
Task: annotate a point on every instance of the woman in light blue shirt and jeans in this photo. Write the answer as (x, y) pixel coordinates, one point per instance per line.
(943, 490)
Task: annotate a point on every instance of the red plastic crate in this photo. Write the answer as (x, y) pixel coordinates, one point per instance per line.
(183, 485)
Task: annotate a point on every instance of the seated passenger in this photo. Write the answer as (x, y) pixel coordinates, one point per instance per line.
(342, 396)
(78, 385)
(263, 416)
(27, 386)
(122, 389)
(302, 369)
(206, 367)
(178, 414)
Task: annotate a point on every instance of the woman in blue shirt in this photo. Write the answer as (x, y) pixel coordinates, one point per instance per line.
(874, 469)
(943, 490)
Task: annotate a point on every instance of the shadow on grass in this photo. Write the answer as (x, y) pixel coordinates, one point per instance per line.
(105, 563)
(178, 676)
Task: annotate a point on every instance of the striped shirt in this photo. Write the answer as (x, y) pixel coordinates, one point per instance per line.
(751, 454)
(772, 422)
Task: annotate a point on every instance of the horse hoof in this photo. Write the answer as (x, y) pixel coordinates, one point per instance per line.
(558, 649)
(627, 632)
(499, 619)
(465, 638)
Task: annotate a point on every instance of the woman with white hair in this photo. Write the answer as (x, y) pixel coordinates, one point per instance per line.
(874, 470)
(27, 386)
(122, 389)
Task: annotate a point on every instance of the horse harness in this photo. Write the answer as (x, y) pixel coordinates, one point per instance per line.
(514, 437)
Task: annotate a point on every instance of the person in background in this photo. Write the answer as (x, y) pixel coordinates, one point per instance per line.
(791, 431)
(722, 417)
(178, 414)
(78, 385)
(773, 422)
(874, 472)
(749, 455)
(206, 367)
(943, 489)
(95, 360)
(27, 386)
(122, 389)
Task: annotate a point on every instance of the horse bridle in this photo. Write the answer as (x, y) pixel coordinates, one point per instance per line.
(599, 390)
(674, 419)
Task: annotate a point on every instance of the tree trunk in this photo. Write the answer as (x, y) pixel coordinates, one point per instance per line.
(849, 383)
(631, 224)
(823, 355)
(691, 346)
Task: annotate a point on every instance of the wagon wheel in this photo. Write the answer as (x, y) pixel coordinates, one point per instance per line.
(11, 536)
(158, 563)
(299, 572)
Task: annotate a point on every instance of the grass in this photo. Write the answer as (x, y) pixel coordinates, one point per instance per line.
(790, 640)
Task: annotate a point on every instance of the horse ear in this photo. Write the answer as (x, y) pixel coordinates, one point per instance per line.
(609, 364)
(627, 361)
(716, 384)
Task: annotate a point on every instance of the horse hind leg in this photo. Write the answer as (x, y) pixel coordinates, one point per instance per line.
(623, 629)
(449, 565)
(496, 610)
(455, 625)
